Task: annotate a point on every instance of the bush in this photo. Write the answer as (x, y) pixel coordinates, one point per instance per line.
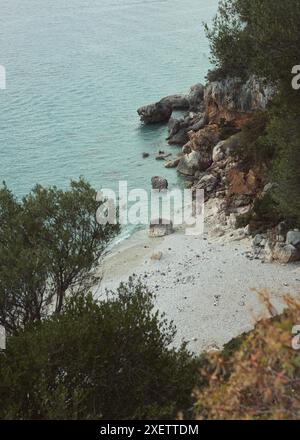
(108, 359)
(255, 148)
(258, 377)
(256, 37)
(284, 133)
(264, 215)
(51, 244)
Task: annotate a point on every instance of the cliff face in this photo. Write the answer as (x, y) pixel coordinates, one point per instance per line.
(233, 100)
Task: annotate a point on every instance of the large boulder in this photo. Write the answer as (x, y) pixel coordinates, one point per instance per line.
(205, 139)
(219, 152)
(172, 163)
(190, 163)
(208, 183)
(199, 150)
(159, 183)
(293, 238)
(177, 102)
(162, 110)
(285, 253)
(155, 113)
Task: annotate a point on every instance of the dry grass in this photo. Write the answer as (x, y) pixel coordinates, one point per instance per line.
(258, 375)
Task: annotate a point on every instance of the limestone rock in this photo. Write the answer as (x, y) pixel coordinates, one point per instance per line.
(179, 128)
(285, 253)
(293, 238)
(189, 163)
(208, 182)
(155, 113)
(218, 152)
(172, 163)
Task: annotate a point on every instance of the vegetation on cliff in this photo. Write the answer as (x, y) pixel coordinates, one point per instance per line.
(255, 37)
(107, 359)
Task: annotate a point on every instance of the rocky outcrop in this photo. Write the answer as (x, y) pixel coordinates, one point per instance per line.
(273, 246)
(155, 113)
(195, 98)
(190, 163)
(199, 150)
(177, 102)
(179, 128)
(161, 111)
(233, 100)
(293, 238)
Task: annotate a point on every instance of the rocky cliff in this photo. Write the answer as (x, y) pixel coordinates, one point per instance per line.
(233, 100)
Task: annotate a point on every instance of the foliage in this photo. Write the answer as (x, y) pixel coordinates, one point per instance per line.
(108, 359)
(50, 244)
(259, 378)
(261, 37)
(256, 37)
(254, 147)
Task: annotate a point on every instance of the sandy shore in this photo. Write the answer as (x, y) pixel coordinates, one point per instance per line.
(205, 284)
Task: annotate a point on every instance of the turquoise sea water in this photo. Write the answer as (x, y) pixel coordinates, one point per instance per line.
(76, 73)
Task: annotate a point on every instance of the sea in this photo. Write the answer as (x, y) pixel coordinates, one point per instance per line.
(76, 72)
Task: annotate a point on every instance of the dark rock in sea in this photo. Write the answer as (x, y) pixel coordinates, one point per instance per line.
(155, 113)
(161, 111)
(162, 156)
(189, 163)
(145, 155)
(233, 99)
(159, 183)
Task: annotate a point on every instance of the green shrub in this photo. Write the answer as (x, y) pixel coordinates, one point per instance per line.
(254, 147)
(285, 135)
(265, 214)
(108, 359)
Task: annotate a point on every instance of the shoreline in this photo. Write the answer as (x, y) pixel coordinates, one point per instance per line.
(209, 292)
